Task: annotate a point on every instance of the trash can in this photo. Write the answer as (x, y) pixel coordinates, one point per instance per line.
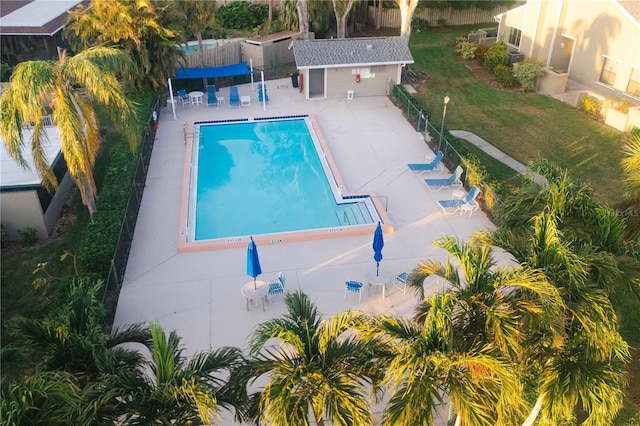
(294, 79)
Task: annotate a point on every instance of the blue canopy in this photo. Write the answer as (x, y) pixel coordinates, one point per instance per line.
(226, 71)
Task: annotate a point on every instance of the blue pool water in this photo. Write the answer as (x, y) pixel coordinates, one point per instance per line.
(262, 177)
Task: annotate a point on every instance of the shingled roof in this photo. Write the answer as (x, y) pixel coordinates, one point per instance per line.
(348, 52)
(34, 17)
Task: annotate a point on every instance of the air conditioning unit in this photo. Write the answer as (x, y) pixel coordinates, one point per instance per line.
(515, 57)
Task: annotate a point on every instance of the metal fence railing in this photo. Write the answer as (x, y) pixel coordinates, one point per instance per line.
(127, 227)
(432, 136)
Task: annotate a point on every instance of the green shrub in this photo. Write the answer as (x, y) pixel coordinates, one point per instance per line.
(442, 22)
(242, 15)
(27, 236)
(526, 73)
(459, 41)
(482, 50)
(496, 55)
(419, 25)
(468, 50)
(591, 106)
(504, 75)
(100, 239)
(635, 132)
(623, 106)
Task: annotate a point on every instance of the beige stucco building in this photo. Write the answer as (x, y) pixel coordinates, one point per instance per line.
(594, 42)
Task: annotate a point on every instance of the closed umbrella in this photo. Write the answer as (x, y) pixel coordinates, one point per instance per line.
(378, 243)
(253, 262)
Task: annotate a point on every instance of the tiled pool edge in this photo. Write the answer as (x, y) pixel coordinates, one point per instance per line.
(185, 246)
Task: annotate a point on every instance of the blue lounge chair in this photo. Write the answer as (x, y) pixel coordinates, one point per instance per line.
(353, 287)
(468, 203)
(234, 97)
(400, 282)
(212, 99)
(276, 287)
(435, 164)
(184, 97)
(453, 180)
(261, 92)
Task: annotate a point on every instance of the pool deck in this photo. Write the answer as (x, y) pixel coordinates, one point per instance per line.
(198, 293)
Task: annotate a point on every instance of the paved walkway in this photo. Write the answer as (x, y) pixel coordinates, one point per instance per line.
(497, 154)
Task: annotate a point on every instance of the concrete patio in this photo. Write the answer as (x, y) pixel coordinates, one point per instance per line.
(198, 294)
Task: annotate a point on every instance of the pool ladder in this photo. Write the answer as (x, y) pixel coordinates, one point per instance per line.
(356, 214)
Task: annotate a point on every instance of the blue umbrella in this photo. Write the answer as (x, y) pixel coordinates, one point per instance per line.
(378, 243)
(253, 262)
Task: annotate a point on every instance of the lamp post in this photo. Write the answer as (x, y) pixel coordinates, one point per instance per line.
(444, 114)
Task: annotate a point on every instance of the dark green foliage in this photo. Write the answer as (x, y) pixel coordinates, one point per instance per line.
(4, 240)
(419, 24)
(5, 71)
(242, 15)
(504, 75)
(27, 236)
(101, 237)
(635, 132)
(496, 55)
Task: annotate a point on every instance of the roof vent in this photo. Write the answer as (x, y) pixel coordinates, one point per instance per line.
(369, 46)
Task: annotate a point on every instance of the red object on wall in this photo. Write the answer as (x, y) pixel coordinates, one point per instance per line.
(357, 78)
(301, 85)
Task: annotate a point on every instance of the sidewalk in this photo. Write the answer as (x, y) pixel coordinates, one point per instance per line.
(498, 155)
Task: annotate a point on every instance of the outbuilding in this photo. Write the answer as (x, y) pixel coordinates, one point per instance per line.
(350, 67)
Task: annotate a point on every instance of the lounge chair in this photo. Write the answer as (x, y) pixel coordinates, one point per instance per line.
(212, 99)
(453, 180)
(400, 282)
(353, 287)
(466, 204)
(234, 97)
(435, 164)
(276, 287)
(184, 97)
(260, 94)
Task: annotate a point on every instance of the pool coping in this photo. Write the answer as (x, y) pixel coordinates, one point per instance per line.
(185, 246)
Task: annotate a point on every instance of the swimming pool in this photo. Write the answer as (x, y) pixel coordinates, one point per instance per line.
(267, 177)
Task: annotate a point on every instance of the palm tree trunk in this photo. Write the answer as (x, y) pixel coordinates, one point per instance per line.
(378, 14)
(536, 410)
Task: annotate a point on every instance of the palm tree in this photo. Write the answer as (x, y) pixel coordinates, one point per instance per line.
(318, 366)
(75, 340)
(303, 19)
(68, 87)
(46, 398)
(143, 30)
(631, 204)
(197, 15)
(485, 314)
(169, 390)
(490, 304)
(586, 366)
(423, 367)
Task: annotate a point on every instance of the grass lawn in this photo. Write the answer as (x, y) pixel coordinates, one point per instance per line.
(528, 127)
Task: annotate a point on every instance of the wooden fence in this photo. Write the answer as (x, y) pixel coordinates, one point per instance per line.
(435, 17)
(226, 53)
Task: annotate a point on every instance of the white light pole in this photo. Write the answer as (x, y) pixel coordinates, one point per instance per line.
(444, 114)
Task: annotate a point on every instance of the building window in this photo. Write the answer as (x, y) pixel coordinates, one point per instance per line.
(515, 36)
(609, 71)
(633, 88)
